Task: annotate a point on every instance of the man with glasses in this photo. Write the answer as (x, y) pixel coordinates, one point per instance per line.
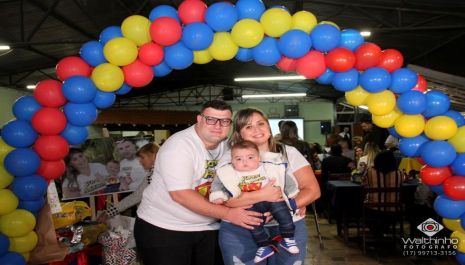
(176, 223)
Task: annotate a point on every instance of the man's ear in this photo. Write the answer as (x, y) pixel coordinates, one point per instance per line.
(199, 118)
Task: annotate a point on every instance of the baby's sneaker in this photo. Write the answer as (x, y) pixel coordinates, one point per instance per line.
(263, 253)
(289, 245)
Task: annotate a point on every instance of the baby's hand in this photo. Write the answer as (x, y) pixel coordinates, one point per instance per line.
(218, 201)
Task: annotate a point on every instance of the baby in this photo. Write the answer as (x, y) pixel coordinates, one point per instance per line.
(248, 173)
(114, 180)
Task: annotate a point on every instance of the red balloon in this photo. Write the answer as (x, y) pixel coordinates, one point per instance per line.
(137, 74)
(49, 94)
(165, 31)
(421, 85)
(190, 11)
(51, 170)
(454, 187)
(287, 64)
(151, 53)
(49, 121)
(72, 66)
(420, 160)
(51, 147)
(391, 60)
(311, 65)
(435, 175)
(340, 59)
(367, 56)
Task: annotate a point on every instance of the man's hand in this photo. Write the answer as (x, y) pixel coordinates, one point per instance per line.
(242, 217)
(218, 201)
(271, 192)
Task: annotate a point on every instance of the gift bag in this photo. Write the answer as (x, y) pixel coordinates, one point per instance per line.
(124, 225)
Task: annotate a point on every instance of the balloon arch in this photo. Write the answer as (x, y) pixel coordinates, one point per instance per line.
(34, 145)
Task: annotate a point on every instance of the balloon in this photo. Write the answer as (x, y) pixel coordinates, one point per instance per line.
(421, 85)
(391, 60)
(165, 31)
(346, 81)
(410, 146)
(110, 33)
(191, 11)
(438, 189)
(325, 37)
(32, 206)
(381, 103)
(367, 55)
(79, 89)
(24, 243)
(276, 22)
(4, 149)
(403, 80)
(453, 224)
(25, 107)
(385, 121)
(18, 133)
(392, 130)
(247, 33)
(448, 208)
(162, 69)
(327, 22)
(286, 64)
(410, 125)
(80, 114)
(456, 116)
(438, 153)
(304, 20)
(244, 55)
(460, 237)
(104, 100)
(434, 175)
(137, 74)
(223, 47)
(17, 223)
(454, 187)
(120, 51)
(294, 43)
(22, 162)
(197, 36)
(4, 244)
(221, 16)
(178, 56)
(163, 11)
(124, 89)
(202, 57)
(49, 121)
(458, 140)
(72, 66)
(51, 170)
(12, 258)
(458, 166)
(74, 134)
(136, 28)
(9, 201)
(460, 257)
(5, 178)
(351, 39)
(49, 94)
(267, 52)
(412, 102)
(311, 65)
(326, 78)
(357, 96)
(92, 53)
(375, 79)
(51, 147)
(107, 77)
(29, 188)
(440, 128)
(250, 9)
(437, 103)
(151, 53)
(340, 59)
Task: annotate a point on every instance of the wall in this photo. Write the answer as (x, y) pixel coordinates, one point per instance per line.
(7, 99)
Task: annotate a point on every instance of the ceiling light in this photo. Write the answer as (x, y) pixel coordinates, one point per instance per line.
(365, 33)
(363, 107)
(275, 95)
(4, 47)
(270, 78)
(31, 86)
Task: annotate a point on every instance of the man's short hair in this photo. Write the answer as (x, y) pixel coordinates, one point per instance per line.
(216, 104)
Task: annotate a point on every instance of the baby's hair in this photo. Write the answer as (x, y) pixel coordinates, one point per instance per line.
(112, 161)
(245, 145)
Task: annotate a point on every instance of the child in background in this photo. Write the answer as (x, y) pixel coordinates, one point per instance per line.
(113, 180)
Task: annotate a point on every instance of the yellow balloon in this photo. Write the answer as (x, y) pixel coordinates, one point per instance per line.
(23, 244)
(4, 149)
(440, 128)
(17, 223)
(223, 48)
(5, 177)
(202, 57)
(9, 201)
(247, 33)
(26, 255)
(137, 29)
(453, 225)
(410, 125)
(276, 22)
(461, 238)
(357, 97)
(120, 51)
(381, 103)
(329, 23)
(304, 21)
(458, 140)
(107, 77)
(388, 120)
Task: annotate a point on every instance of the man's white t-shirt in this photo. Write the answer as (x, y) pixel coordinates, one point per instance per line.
(89, 184)
(182, 163)
(134, 169)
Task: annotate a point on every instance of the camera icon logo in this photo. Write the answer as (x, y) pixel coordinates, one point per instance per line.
(430, 227)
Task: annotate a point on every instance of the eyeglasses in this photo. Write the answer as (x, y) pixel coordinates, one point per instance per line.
(213, 121)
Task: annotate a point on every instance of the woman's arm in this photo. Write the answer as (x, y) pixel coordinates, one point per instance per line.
(308, 186)
(267, 193)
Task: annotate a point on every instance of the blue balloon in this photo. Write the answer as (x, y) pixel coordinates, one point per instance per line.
(104, 100)
(325, 37)
(4, 244)
(437, 103)
(80, 114)
(110, 33)
(22, 162)
(449, 208)
(267, 52)
(29, 188)
(438, 189)
(412, 102)
(375, 79)
(19, 133)
(411, 146)
(438, 153)
(392, 131)
(326, 78)
(456, 116)
(351, 39)
(458, 166)
(12, 258)
(124, 89)
(92, 53)
(221, 16)
(25, 107)
(79, 89)
(244, 55)
(250, 9)
(403, 80)
(345, 81)
(75, 135)
(197, 36)
(294, 43)
(163, 11)
(460, 257)
(161, 69)
(32, 206)
(178, 56)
